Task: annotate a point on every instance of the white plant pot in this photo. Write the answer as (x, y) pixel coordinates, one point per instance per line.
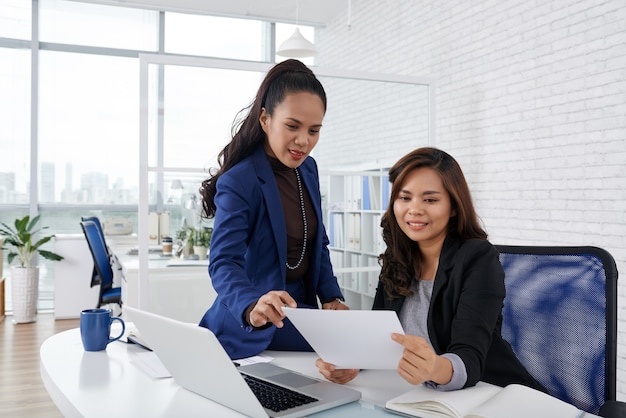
(200, 251)
(187, 250)
(24, 293)
(1, 257)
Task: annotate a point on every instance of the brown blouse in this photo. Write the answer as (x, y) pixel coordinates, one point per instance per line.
(290, 199)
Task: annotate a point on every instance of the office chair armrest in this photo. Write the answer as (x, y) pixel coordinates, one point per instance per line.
(613, 409)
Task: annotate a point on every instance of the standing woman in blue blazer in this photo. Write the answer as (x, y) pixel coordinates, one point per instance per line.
(269, 248)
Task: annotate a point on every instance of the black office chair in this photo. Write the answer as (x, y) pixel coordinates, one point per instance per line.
(560, 316)
(108, 293)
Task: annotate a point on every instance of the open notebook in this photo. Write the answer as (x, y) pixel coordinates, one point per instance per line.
(197, 362)
(482, 401)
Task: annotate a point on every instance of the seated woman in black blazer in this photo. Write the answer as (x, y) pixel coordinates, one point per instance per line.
(443, 278)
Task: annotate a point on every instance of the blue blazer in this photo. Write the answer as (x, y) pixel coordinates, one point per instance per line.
(249, 251)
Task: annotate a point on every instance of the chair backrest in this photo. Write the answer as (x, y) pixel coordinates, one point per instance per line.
(560, 317)
(95, 220)
(99, 253)
(95, 279)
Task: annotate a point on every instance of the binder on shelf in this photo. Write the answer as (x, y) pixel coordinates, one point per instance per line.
(367, 200)
(373, 284)
(357, 231)
(358, 193)
(374, 192)
(377, 235)
(331, 230)
(336, 259)
(337, 231)
(340, 280)
(353, 192)
(385, 191)
(354, 231)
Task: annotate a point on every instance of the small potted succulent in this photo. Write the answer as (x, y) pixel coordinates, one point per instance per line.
(202, 242)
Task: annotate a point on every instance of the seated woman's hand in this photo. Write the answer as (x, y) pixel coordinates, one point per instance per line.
(420, 363)
(269, 308)
(340, 376)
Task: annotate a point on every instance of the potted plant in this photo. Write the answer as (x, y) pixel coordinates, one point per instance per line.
(184, 241)
(18, 240)
(202, 242)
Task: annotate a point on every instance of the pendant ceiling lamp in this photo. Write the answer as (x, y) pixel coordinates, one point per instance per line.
(297, 46)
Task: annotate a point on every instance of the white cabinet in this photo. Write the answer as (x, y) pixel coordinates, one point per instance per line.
(180, 292)
(72, 277)
(354, 203)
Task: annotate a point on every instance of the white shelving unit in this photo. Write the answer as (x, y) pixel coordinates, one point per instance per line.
(354, 204)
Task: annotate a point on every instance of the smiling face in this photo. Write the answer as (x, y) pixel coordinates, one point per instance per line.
(294, 127)
(423, 208)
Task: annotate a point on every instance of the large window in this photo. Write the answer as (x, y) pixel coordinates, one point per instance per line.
(15, 126)
(200, 105)
(70, 131)
(202, 95)
(76, 23)
(70, 109)
(15, 21)
(88, 129)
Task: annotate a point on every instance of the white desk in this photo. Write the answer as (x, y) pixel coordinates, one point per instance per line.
(107, 384)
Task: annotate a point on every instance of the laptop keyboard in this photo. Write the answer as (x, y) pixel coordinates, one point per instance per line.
(274, 397)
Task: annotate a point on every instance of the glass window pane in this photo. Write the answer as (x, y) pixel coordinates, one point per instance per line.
(198, 108)
(180, 198)
(15, 19)
(200, 105)
(89, 128)
(79, 23)
(213, 36)
(15, 123)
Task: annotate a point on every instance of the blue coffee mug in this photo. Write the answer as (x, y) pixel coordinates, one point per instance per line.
(95, 328)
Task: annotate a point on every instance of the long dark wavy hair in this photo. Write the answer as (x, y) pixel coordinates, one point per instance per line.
(401, 261)
(287, 77)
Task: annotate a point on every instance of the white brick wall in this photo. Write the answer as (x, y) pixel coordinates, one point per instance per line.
(531, 99)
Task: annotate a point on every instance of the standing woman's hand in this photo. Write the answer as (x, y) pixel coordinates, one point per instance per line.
(420, 363)
(335, 305)
(269, 308)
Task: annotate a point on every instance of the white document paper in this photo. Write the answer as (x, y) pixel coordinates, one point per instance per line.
(350, 339)
(261, 358)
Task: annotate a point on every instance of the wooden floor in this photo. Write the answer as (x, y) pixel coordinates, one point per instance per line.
(22, 393)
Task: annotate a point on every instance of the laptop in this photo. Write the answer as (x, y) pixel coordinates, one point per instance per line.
(196, 360)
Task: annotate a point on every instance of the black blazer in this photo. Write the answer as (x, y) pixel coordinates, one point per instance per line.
(465, 313)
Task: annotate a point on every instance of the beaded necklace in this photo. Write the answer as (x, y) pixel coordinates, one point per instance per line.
(303, 220)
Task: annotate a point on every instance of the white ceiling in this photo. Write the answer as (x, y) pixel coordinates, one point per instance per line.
(310, 12)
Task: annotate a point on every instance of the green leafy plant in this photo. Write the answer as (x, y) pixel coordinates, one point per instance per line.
(186, 234)
(18, 241)
(202, 237)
